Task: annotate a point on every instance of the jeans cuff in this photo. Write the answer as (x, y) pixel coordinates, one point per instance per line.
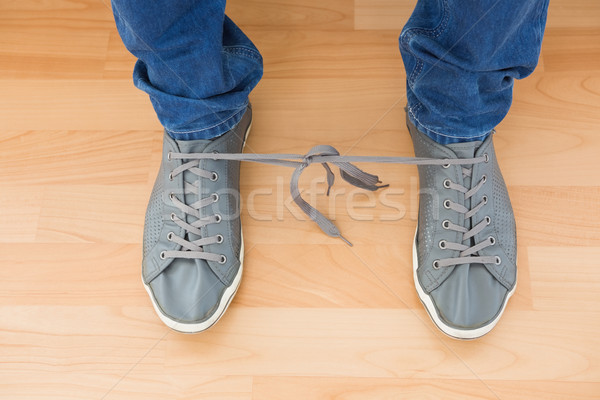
(227, 123)
(442, 138)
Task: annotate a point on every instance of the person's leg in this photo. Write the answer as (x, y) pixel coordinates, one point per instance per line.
(197, 66)
(461, 59)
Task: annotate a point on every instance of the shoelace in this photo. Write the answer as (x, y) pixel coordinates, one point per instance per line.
(193, 248)
(468, 254)
(324, 155)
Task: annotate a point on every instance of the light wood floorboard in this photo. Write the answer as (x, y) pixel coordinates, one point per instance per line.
(314, 318)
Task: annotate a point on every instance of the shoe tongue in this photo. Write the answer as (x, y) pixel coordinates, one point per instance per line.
(193, 146)
(464, 150)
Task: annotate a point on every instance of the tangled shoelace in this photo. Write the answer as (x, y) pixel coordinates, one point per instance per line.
(324, 155)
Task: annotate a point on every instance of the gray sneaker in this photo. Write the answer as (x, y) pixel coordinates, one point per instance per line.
(465, 250)
(193, 248)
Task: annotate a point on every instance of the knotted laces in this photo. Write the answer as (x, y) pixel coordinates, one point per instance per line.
(325, 155)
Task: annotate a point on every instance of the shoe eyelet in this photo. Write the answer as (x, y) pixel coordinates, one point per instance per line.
(498, 260)
(488, 220)
(169, 156)
(170, 176)
(163, 255)
(215, 197)
(442, 244)
(485, 199)
(436, 264)
(172, 196)
(492, 240)
(218, 218)
(220, 239)
(223, 259)
(446, 166)
(486, 158)
(447, 204)
(446, 224)
(173, 216)
(484, 179)
(170, 236)
(447, 183)
(214, 177)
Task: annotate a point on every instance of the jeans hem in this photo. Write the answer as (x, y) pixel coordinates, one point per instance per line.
(212, 131)
(243, 51)
(442, 138)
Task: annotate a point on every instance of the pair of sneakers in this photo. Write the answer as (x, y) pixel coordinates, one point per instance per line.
(464, 251)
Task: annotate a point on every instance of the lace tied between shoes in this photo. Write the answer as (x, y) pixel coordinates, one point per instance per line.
(325, 155)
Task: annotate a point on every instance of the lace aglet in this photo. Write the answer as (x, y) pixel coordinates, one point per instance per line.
(346, 240)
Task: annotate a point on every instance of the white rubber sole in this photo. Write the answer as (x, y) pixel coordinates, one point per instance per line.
(226, 299)
(455, 333)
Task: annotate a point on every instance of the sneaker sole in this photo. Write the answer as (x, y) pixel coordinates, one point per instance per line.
(455, 333)
(226, 299)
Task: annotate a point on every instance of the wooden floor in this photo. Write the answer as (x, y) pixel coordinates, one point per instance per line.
(314, 318)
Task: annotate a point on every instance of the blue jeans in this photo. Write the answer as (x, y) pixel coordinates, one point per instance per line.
(461, 59)
(197, 66)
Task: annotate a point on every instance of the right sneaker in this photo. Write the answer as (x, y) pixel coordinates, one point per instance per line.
(465, 247)
(193, 248)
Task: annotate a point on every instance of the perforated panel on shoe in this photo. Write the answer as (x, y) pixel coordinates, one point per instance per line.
(154, 214)
(428, 211)
(233, 172)
(504, 222)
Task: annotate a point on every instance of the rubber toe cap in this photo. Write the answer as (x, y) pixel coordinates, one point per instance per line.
(469, 298)
(187, 291)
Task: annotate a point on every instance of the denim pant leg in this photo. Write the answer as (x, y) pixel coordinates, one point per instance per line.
(461, 59)
(197, 66)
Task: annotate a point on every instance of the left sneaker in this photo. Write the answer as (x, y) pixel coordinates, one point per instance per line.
(465, 247)
(193, 248)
